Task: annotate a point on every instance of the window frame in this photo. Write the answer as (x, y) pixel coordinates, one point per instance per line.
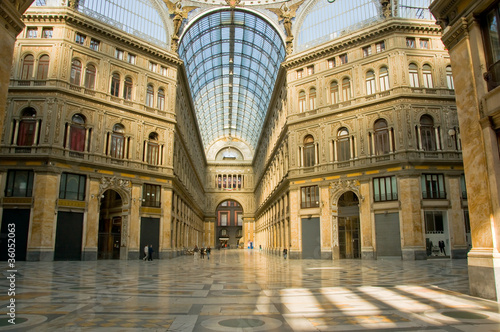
(433, 186)
(385, 189)
(309, 197)
(81, 184)
(13, 186)
(151, 195)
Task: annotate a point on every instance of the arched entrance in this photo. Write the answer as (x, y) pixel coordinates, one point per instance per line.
(229, 221)
(110, 225)
(348, 216)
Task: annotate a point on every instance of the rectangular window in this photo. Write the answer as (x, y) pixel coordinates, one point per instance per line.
(310, 70)
(152, 66)
(72, 187)
(385, 189)
(343, 59)
(300, 73)
(47, 32)
(331, 63)
(19, 183)
(119, 54)
(463, 187)
(79, 38)
(151, 195)
(310, 197)
(410, 42)
(491, 33)
(434, 222)
(433, 186)
(367, 51)
(32, 32)
(163, 71)
(131, 58)
(380, 47)
(424, 43)
(223, 219)
(94, 44)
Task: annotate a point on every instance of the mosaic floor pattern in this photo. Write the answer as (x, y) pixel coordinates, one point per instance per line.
(245, 290)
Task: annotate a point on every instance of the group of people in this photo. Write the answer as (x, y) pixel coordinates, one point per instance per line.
(202, 251)
(148, 252)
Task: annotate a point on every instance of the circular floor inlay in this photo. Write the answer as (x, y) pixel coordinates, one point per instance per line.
(5, 321)
(464, 315)
(242, 323)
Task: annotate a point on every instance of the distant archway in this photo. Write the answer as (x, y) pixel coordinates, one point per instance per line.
(349, 226)
(110, 225)
(229, 225)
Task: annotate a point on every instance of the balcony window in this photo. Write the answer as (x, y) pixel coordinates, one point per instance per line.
(76, 72)
(433, 186)
(43, 67)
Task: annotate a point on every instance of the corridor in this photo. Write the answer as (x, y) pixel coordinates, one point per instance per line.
(246, 290)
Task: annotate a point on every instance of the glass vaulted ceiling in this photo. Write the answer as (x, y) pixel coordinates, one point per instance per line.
(232, 59)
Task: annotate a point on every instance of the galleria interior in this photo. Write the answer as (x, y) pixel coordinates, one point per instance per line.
(251, 124)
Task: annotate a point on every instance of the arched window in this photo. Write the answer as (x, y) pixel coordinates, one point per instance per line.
(27, 71)
(427, 133)
(302, 101)
(43, 67)
(344, 145)
(309, 155)
(346, 89)
(77, 133)
(381, 136)
(427, 76)
(27, 131)
(149, 95)
(90, 75)
(115, 84)
(117, 142)
(384, 79)
(413, 70)
(312, 99)
(127, 88)
(334, 92)
(161, 99)
(76, 72)
(449, 78)
(370, 82)
(152, 150)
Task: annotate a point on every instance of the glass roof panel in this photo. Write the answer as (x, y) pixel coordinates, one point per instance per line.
(242, 52)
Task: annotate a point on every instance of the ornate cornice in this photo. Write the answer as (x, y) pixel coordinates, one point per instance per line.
(455, 33)
(74, 18)
(12, 16)
(344, 43)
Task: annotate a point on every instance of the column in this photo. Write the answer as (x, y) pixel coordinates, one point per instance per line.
(295, 245)
(134, 222)
(165, 250)
(412, 231)
(366, 221)
(91, 231)
(41, 241)
(325, 224)
(16, 131)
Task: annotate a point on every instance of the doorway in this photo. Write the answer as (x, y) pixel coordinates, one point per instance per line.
(349, 225)
(311, 238)
(150, 235)
(110, 226)
(15, 225)
(69, 232)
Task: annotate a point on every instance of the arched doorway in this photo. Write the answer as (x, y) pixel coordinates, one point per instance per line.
(229, 229)
(348, 216)
(110, 226)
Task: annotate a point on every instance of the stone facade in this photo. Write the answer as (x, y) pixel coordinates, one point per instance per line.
(361, 138)
(478, 99)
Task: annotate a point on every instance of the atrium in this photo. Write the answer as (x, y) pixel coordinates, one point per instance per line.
(332, 129)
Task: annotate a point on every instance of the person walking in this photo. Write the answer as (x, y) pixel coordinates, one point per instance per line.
(195, 252)
(146, 251)
(285, 252)
(208, 252)
(150, 252)
(202, 253)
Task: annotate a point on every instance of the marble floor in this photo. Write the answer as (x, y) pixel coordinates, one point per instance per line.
(245, 290)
